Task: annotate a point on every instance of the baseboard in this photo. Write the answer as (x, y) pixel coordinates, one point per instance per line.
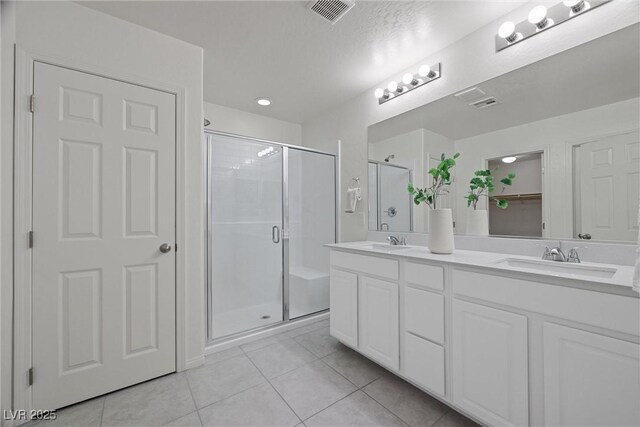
(194, 362)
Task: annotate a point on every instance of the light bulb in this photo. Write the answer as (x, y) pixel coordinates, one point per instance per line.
(379, 93)
(424, 71)
(509, 159)
(576, 6)
(538, 16)
(507, 31)
(392, 86)
(408, 79)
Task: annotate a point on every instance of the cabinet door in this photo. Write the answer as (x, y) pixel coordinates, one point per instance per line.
(490, 367)
(590, 379)
(343, 301)
(378, 321)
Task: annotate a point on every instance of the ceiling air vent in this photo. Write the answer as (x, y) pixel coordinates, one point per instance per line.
(486, 102)
(331, 10)
(470, 94)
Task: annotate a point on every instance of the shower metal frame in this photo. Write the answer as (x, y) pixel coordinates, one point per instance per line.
(379, 192)
(284, 232)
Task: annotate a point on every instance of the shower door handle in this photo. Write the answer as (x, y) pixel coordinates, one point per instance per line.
(275, 234)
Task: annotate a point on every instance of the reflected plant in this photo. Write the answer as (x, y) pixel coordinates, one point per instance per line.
(441, 175)
(482, 185)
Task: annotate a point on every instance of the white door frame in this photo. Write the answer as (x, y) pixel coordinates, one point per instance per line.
(22, 210)
(573, 183)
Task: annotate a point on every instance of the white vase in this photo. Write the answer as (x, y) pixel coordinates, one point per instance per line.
(440, 239)
(477, 222)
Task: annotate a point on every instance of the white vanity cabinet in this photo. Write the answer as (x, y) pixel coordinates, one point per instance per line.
(589, 379)
(490, 363)
(343, 300)
(378, 321)
(503, 347)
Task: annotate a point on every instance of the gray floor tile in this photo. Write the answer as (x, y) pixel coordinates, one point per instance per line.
(262, 343)
(357, 409)
(307, 328)
(83, 414)
(312, 388)
(223, 355)
(412, 405)
(191, 420)
(354, 367)
(319, 342)
(258, 406)
(149, 404)
(218, 380)
(455, 419)
(280, 358)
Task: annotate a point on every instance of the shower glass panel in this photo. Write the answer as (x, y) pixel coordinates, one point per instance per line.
(311, 217)
(245, 247)
(395, 202)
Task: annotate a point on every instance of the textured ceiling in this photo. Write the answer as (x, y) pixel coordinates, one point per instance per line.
(600, 72)
(280, 50)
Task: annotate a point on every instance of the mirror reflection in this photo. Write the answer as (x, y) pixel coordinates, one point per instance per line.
(565, 127)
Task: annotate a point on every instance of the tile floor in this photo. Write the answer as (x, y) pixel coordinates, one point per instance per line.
(302, 377)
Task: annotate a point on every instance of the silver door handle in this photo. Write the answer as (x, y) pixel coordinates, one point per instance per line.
(584, 236)
(275, 234)
(165, 247)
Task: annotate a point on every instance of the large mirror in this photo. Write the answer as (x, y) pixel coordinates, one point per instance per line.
(566, 127)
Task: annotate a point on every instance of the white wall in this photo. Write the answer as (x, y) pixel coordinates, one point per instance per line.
(230, 120)
(74, 34)
(553, 135)
(468, 62)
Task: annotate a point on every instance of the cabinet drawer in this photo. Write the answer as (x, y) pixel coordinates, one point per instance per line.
(424, 363)
(424, 314)
(430, 276)
(383, 267)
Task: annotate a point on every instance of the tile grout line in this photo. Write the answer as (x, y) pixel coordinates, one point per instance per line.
(441, 416)
(195, 404)
(388, 409)
(272, 386)
(324, 409)
(104, 403)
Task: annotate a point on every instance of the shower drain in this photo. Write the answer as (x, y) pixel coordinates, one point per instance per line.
(266, 316)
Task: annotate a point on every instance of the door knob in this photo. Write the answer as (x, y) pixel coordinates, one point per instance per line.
(165, 247)
(584, 236)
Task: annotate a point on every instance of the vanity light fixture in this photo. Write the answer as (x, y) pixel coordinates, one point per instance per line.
(509, 159)
(540, 19)
(410, 82)
(263, 101)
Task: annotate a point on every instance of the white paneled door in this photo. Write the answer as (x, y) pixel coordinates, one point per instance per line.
(609, 182)
(103, 207)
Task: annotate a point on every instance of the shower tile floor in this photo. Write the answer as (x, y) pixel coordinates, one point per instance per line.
(302, 377)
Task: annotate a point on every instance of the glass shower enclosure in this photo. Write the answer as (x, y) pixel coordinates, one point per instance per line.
(271, 208)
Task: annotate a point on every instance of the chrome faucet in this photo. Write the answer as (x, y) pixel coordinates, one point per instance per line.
(573, 255)
(397, 240)
(554, 254)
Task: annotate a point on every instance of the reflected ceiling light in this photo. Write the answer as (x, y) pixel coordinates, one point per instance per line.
(541, 18)
(507, 31)
(576, 6)
(509, 159)
(263, 101)
(538, 17)
(409, 82)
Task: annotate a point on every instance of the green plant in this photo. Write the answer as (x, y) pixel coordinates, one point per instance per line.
(441, 180)
(481, 185)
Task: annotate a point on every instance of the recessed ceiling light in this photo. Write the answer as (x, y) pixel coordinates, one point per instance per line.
(263, 101)
(509, 159)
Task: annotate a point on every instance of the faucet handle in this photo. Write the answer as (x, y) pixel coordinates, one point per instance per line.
(573, 256)
(547, 253)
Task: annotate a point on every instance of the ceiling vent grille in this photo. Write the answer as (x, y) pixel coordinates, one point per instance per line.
(470, 94)
(484, 103)
(331, 10)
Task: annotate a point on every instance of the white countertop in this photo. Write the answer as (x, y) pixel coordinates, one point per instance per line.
(620, 283)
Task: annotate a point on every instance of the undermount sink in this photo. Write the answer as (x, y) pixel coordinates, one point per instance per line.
(388, 247)
(559, 267)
